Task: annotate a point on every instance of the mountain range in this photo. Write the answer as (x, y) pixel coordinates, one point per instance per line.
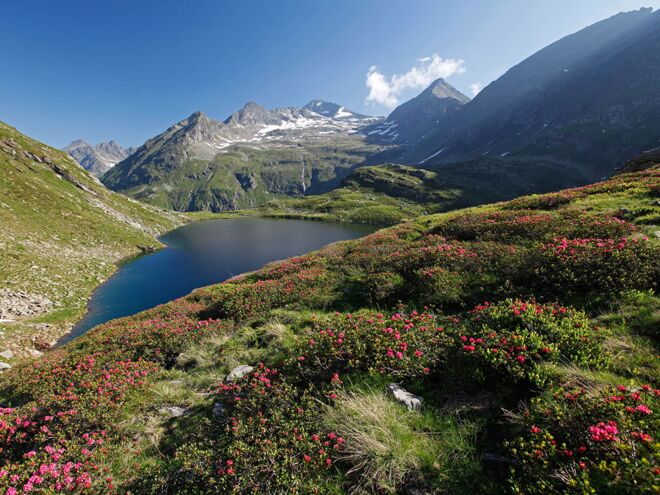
(257, 154)
(200, 163)
(567, 115)
(97, 159)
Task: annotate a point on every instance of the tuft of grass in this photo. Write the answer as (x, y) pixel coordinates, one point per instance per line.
(202, 354)
(387, 445)
(581, 378)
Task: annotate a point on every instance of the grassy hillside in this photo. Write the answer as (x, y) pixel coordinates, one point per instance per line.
(528, 329)
(62, 233)
(391, 193)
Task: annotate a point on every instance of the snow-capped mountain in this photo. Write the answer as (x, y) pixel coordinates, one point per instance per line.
(323, 139)
(318, 119)
(201, 137)
(97, 159)
(334, 111)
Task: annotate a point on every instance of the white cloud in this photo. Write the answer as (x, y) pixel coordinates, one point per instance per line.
(386, 90)
(475, 88)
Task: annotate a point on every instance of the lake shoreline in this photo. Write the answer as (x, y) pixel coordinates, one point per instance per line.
(288, 246)
(48, 330)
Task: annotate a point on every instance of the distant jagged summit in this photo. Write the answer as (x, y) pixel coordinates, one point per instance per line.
(97, 159)
(251, 114)
(333, 110)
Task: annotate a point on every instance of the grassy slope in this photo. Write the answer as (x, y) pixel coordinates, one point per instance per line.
(463, 440)
(391, 193)
(62, 233)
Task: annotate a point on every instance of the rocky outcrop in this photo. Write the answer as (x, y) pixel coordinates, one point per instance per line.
(172, 411)
(19, 304)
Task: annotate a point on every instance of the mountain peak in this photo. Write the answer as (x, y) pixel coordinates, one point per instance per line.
(196, 116)
(251, 113)
(97, 159)
(322, 107)
(442, 89)
(251, 105)
(332, 110)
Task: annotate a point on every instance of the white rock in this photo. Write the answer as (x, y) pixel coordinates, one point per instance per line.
(412, 402)
(239, 372)
(6, 354)
(4, 366)
(172, 411)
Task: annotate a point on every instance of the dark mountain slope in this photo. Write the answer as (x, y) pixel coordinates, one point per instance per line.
(591, 99)
(413, 120)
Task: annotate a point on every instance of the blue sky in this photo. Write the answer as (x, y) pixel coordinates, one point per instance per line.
(128, 69)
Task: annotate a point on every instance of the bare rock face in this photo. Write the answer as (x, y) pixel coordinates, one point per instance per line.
(411, 401)
(20, 304)
(239, 372)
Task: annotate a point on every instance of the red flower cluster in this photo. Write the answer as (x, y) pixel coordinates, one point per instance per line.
(604, 432)
(571, 247)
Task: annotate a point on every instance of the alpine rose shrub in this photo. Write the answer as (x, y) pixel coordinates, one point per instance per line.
(384, 287)
(266, 441)
(513, 337)
(244, 299)
(57, 442)
(597, 266)
(579, 442)
(401, 344)
(527, 226)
